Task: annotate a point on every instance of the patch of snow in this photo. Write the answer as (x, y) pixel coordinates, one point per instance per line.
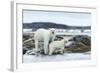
(68, 43)
(64, 57)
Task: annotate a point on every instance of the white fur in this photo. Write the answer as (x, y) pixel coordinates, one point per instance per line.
(45, 36)
(56, 46)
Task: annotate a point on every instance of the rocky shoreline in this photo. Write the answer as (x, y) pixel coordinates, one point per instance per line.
(78, 44)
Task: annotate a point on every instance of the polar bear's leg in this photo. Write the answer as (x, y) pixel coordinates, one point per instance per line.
(36, 46)
(62, 50)
(45, 46)
(51, 50)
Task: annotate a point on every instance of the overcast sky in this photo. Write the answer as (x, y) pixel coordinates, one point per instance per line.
(73, 19)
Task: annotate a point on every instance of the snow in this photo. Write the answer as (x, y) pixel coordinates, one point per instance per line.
(64, 57)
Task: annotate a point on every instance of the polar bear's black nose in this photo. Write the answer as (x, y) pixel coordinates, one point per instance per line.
(52, 32)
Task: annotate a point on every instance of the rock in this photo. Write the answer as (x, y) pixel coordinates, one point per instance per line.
(82, 38)
(79, 44)
(27, 45)
(24, 51)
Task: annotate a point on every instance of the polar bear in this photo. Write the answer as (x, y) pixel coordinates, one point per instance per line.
(44, 35)
(57, 46)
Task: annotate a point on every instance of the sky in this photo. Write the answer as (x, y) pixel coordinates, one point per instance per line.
(68, 18)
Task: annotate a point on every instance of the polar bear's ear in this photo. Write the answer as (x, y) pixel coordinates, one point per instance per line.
(65, 40)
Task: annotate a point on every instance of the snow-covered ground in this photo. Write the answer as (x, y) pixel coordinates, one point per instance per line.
(64, 57)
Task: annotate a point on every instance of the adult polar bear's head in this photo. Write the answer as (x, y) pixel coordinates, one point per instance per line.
(44, 35)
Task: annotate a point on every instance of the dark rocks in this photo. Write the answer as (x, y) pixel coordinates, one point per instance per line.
(86, 40)
(81, 43)
(24, 51)
(27, 45)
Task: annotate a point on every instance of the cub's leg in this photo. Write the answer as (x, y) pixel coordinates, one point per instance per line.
(62, 50)
(51, 50)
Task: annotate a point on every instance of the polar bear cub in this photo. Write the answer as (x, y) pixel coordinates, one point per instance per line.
(57, 46)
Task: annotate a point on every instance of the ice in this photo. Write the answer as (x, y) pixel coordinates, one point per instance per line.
(47, 58)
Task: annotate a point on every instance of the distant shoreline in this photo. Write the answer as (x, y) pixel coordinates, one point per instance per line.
(46, 25)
